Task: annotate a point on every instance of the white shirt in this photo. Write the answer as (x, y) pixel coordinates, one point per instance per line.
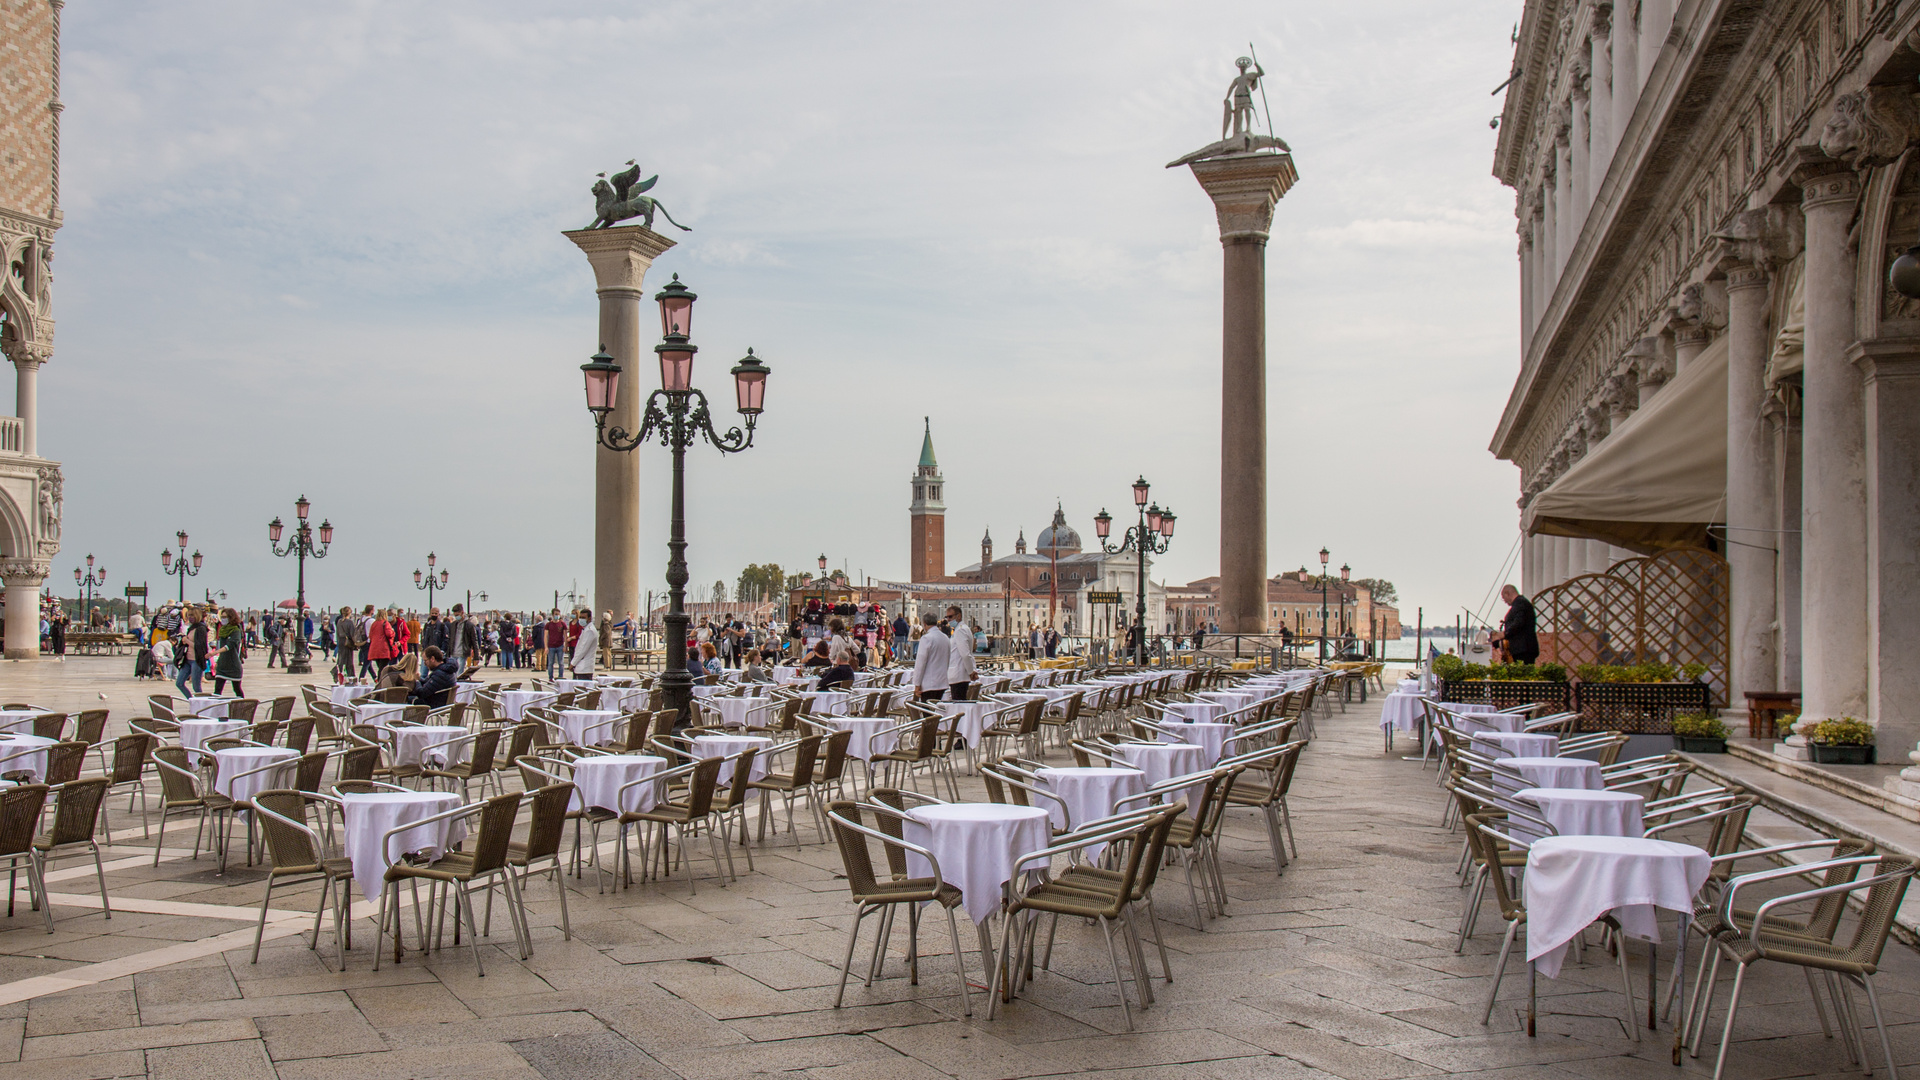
(584, 650)
(930, 664)
(959, 657)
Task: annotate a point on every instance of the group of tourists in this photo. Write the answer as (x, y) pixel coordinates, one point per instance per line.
(366, 643)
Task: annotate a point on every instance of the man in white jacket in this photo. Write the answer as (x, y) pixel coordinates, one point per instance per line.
(959, 656)
(931, 662)
(587, 647)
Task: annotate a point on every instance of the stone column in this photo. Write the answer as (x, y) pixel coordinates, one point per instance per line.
(1600, 127)
(1652, 368)
(1783, 418)
(1529, 563)
(1689, 341)
(1244, 189)
(1751, 513)
(26, 398)
(1526, 284)
(1891, 367)
(23, 578)
(620, 257)
(1550, 203)
(1565, 210)
(1834, 641)
(1626, 79)
(1578, 158)
(1656, 17)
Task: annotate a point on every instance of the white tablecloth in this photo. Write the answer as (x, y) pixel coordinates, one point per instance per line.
(1547, 772)
(410, 743)
(1212, 737)
(464, 692)
(369, 817)
(827, 702)
(1204, 711)
(231, 763)
(975, 717)
(741, 711)
(209, 706)
(703, 691)
(623, 698)
(598, 779)
(1232, 699)
(976, 844)
(346, 695)
(864, 728)
(728, 746)
(1501, 744)
(589, 727)
(18, 720)
(1402, 711)
(32, 755)
(1161, 761)
(377, 713)
(574, 686)
(514, 703)
(195, 733)
(1579, 812)
(1090, 793)
(1573, 880)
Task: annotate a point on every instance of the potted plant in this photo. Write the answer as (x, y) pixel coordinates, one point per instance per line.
(1699, 733)
(1843, 741)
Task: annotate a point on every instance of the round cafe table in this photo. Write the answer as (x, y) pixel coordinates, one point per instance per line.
(514, 703)
(195, 733)
(1500, 744)
(827, 702)
(740, 711)
(1579, 812)
(1089, 793)
(20, 720)
(1573, 880)
(1211, 737)
(25, 753)
(369, 817)
(463, 693)
(976, 844)
(347, 695)
(377, 713)
(599, 778)
(865, 730)
(728, 746)
(1162, 761)
(1516, 774)
(1205, 712)
(209, 706)
(586, 727)
(975, 717)
(421, 745)
(624, 698)
(1402, 710)
(229, 764)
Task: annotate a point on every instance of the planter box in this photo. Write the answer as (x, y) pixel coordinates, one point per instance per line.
(1699, 745)
(1505, 694)
(1834, 754)
(1639, 708)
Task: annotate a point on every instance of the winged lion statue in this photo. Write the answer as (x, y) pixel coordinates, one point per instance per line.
(622, 196)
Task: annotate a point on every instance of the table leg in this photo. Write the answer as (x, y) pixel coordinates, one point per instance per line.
(1653, 982)
(1679, 987)
(1533, 974)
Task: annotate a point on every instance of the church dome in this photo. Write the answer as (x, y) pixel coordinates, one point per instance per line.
(1059, 537)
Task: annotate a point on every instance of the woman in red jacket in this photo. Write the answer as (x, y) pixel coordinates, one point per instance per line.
(386, 641)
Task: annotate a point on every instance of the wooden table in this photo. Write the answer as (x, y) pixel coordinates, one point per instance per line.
(1764, 705)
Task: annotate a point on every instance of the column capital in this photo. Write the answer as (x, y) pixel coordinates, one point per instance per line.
(29, 572)
(1244, 189)
(1822, 180)
(1742, 276)
(1887, 359)
(1600, 24)
(620, 255)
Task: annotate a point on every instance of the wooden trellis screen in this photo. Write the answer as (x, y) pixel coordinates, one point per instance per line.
(1671, 607)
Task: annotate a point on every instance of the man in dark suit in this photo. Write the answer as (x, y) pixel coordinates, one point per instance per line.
(1517, 629)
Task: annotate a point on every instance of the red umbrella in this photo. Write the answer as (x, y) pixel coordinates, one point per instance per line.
(286, 604)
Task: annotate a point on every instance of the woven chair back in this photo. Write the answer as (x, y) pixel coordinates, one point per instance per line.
(64, 762)
(280, 710)
(311, 771)
(174, 786)
(738, 787)
(50, 725)
(485, 744)
(77, 809)
(264, 732)
(243, 709)
(836, 762)
(547, 821)
(806, 753)
(288, 847)
(1876, 917)
(1486, 851)
(91, 727)
(160, 705)
(701, 783)
(521, 742)
(496, 832)
(300, 734)
(20, 817)
(887, 823)
(359, 763)
(129, 757)
(855, 857)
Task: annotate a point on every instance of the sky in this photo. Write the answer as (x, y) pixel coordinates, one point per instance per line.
(315, 249)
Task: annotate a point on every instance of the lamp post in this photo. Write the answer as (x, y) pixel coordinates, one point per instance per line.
(300, 546)
(1153, 534)
(178, 567)
(429, 584)
(1324, 556)
(1346, 572)
(677, 415)
(89, 580)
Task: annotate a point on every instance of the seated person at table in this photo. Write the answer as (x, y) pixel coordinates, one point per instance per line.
(756, 672)
(436, 686)
(403, 672)
(818, 657)
(710, 662)
(839, 676)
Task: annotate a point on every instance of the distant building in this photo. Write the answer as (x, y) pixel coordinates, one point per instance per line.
(1294, 601)
(927, 548)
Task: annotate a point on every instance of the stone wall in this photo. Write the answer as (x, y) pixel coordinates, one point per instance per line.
(26, 120)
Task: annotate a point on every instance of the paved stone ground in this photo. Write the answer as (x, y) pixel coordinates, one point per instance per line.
(1342, 967)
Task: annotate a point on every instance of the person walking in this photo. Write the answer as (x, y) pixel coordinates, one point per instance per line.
(276, 639)
(509, 642)
(931, 664)
(606, 639)
(346, 644)
(365, 640)
(388, 641)
(959, 657)
(230, 662)
(190, 652)
(586, 647)
(556, 638)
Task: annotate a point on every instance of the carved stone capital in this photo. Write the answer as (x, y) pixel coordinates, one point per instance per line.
(1822, 180)
(1244, 189)
(1871, 127)
(26, 572)
(1759, 239)
(1600, 24)
(620, 255)
(1747, 276)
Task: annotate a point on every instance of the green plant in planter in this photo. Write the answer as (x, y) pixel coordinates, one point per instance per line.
(1784, 724)
(1693, 671)
(1699, 726)
(1843, 731)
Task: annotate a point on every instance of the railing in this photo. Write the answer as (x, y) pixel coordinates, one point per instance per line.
(12, 435)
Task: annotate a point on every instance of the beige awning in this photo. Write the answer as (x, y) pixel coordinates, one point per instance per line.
(1659, 479)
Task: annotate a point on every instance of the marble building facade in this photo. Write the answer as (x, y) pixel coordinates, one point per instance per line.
(1709, 194)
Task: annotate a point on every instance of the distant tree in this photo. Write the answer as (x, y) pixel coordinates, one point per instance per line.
(760, 583)
(1382, 590)
(719, 592)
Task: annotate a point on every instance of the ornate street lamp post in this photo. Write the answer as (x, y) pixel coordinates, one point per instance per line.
(178, 567)
(1153, 535)
(300, 546)
(429, 584)
(1324, 556)
(677, 415)
(89, 580)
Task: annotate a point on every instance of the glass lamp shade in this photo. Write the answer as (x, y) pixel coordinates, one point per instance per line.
(89, 560)
(1103, 524)
(823, 562)
(1346, 572)
(76, 575)
(676, 309)
(182, 537)
(431, 560)
(1166, 525)
(196, 560)
(301, 506)
(1140, 487)
(443, 579)
(326, 532)
(750, 384)
(103, 573)
(274, 529)
(603, 382)
(166, 559)
(416, 577)
(1904, 274)
(1153, 517)
(676, 364)
(1324, 553)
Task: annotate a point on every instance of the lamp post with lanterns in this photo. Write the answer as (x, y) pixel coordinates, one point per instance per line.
(1153, 535)
(677, 415)
(1326, 580)
(173, 567)
(89, 579)
(429, 584)
(301, 546)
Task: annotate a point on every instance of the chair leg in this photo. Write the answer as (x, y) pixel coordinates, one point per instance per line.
(846, 962)
(37, 869)
(1880, 1024)
(463, 896)
(1126, 1009)
(100, 873)
(959, 964)
(1726, 1032)
(260, 930)
(560, 885)
(1626, 985)
(1499, 970)
(1153, 921)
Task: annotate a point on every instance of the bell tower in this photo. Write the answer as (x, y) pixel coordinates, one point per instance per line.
(927, 558)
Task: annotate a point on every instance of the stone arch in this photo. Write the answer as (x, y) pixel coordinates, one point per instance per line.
(16, 538)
